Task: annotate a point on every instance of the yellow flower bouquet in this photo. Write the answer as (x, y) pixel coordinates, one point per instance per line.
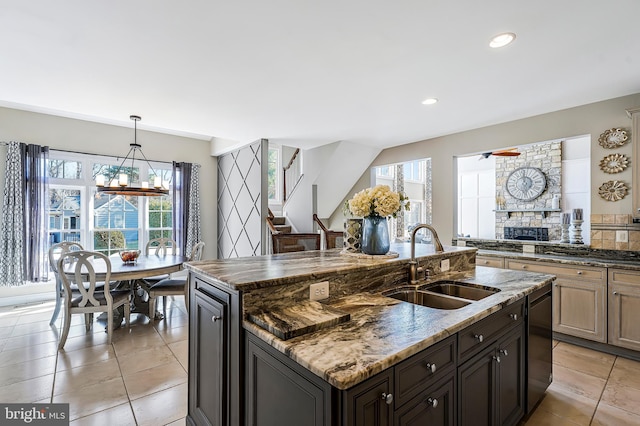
(377, 201)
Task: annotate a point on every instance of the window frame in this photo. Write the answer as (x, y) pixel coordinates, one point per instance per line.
(86, 185)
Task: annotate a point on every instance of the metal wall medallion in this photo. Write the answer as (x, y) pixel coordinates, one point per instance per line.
(613, 190)
(613, 138)
(614, 163)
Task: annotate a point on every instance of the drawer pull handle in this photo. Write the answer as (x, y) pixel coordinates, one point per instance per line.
(524, 266)
(432, 402)
(615, 293)
(504, 352)
(479, 338)
(497, 359)
(215, 318)
(387, 398)
(513, 317)
(486, 262)
(579, 272)
(431, 367)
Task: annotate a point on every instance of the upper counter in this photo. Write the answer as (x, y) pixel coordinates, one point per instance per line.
(246, 273)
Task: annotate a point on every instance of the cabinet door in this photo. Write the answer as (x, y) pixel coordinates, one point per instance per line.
(510, 377)
(208, 359)
(436, 406)
(580, 308)
(370, 403)
(624, 309)
(476, 390)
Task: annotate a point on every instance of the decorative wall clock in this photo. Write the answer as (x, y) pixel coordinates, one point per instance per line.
(614, 163)
(613, 190)
(613, 138)
(526, 183)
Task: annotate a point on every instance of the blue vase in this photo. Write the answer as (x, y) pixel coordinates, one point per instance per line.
(375, 235)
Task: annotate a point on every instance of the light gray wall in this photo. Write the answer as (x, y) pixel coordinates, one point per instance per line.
(592, 119)
(95, 138)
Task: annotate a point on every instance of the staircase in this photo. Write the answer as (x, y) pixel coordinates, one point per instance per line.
(278, 224)
(284, 241)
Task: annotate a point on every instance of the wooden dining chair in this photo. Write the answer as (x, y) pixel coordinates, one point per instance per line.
(173, 286)
(160, 247)
(76, 268)
(55, 251)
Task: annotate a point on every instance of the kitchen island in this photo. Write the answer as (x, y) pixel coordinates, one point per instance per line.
(317, 373)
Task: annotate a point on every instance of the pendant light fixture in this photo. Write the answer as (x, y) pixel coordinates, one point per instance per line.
(122, 183)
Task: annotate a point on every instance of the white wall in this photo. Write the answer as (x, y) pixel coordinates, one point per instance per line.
(94, 138)
(592, 119)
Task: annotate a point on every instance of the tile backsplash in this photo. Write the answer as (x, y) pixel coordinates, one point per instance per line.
(614, 232)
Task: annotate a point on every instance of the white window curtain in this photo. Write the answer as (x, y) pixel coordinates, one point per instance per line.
(23, 242)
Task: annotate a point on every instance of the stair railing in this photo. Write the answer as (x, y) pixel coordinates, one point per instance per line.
(270, 224)
(331, 237)
(291, 173)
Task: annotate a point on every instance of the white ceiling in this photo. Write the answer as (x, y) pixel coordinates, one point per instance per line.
(306, 73)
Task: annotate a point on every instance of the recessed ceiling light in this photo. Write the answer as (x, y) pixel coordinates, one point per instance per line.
(430, 101)
(502, 40)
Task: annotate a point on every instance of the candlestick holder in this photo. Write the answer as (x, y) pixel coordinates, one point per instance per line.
(575, 234)
(564, 235)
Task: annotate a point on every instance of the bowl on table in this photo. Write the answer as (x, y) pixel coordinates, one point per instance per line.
(129, 256)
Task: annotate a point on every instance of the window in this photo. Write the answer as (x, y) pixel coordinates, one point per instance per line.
(413, 178)
(413, 170)
(273, 174)
(102, 222)
(384, 171)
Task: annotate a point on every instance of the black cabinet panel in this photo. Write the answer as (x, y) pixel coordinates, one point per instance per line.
(511, 377)
(476, 382)
(278, 395)
(436, 406)
(370, 403)
(208, 399)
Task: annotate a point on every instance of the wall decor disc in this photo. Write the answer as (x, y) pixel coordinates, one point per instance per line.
(614, 163)
(613, 190)
(613, 138)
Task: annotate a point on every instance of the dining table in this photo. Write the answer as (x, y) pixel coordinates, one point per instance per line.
(133, 275)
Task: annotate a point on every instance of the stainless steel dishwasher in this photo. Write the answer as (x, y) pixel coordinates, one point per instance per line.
(540, 345)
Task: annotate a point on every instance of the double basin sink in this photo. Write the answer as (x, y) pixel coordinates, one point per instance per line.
(444, 294)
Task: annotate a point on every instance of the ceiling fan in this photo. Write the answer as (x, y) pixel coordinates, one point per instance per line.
(511, 152)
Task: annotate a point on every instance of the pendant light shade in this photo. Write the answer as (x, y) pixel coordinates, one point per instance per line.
(121, 183)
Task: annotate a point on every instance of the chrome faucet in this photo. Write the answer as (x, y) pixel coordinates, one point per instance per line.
(413, 263)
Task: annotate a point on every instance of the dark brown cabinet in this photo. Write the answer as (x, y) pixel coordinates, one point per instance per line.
(370, 403)
(435, 407)
(492, 383)
(213, 369)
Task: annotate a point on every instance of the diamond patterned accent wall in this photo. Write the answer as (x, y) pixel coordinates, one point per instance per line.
(242, 201)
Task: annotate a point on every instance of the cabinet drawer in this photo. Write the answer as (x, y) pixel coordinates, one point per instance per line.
(483, 333)
(420, 371)
(622, 276)
(582, 272)
(492, 262)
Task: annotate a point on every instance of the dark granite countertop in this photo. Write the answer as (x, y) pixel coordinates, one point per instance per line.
(383, 331)
(246, 273)
(564, 258)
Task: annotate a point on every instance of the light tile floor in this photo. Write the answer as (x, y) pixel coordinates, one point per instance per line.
(141, 378)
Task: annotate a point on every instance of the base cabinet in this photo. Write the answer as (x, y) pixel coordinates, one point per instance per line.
(579, 298)
(624, 308)
(436, 407)
(492, 383)
(213, 363)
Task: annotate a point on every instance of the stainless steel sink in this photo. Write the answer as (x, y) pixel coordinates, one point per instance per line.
(428, 299)
(459, 289)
